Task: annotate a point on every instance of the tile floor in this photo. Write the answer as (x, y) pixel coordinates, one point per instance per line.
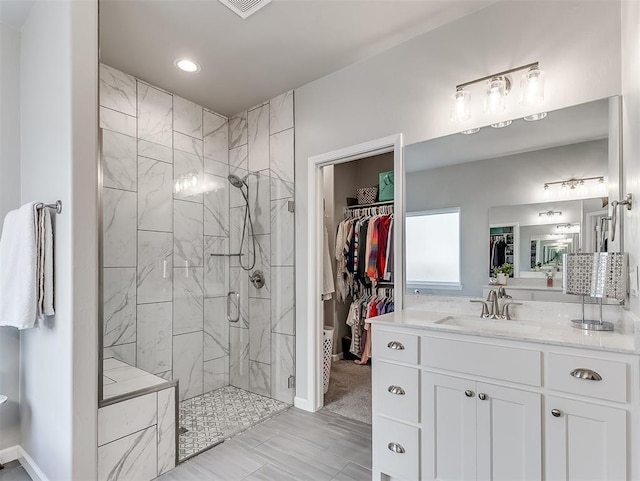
(13, 471)
(293, 445)
(218, 415)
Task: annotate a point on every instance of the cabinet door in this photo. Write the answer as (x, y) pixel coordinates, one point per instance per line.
(509, 434)
(449, 422)
(585, 441)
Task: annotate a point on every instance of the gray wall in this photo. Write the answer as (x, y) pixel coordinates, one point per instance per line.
(475, 187)
(407, 89)
(58, 109)
(9, 199)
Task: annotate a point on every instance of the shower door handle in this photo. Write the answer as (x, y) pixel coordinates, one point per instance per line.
(229, 297)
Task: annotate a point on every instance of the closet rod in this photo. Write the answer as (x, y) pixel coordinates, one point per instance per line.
(375, 204)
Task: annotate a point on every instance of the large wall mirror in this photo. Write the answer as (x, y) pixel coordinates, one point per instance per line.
(512, 201)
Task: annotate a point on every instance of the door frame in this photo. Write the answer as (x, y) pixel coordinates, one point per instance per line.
(315, 235)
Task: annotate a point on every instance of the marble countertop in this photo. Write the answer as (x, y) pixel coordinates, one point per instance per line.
(528, 287)
(551, 324)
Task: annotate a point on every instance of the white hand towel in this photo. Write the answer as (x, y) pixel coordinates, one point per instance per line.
(18, 268)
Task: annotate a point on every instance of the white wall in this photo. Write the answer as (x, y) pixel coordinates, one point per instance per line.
(9, 199)
(630, 125)
(408, 88)
(58, 97)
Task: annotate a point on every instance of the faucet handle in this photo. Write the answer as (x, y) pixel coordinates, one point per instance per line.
(505, 309)
(502, 293)
(485, 307)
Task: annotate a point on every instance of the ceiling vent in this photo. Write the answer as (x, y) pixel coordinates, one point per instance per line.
(245, 8)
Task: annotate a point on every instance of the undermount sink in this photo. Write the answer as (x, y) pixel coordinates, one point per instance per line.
(500, 325)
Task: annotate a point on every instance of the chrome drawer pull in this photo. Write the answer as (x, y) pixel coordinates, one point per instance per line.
(396, 390)
(395, 345)
(556, 413)
(396, 448)
(587, 374)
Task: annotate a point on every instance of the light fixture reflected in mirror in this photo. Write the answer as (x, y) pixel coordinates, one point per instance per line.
(550, 213)
(580, 186)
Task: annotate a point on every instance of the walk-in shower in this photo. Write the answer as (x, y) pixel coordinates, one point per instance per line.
(194, 207)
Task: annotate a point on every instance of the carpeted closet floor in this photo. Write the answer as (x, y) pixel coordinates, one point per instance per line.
(350, 390)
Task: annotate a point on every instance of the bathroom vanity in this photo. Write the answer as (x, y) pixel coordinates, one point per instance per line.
(460, 397)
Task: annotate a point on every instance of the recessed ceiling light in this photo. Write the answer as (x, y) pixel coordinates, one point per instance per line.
(187, 65)
(470, 131)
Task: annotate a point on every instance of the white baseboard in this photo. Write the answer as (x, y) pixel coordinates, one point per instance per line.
(337, 357)
(17, 452)
(304, 404)
(9, 454)
(31, 467)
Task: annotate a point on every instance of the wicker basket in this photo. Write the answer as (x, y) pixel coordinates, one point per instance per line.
(367, 195)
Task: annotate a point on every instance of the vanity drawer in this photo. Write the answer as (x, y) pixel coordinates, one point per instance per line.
(397, 449)
(395, 346)
(397, 391)
(612, 386)
(523, 366)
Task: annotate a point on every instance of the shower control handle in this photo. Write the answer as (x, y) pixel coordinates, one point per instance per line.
(229, 297)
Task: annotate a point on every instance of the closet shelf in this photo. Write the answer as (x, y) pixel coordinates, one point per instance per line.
(364, 206)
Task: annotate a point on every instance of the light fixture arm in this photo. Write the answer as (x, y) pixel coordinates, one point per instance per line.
(499, 74)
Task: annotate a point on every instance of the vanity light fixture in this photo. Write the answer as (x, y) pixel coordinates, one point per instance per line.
(579, 184)
(497, 87)
(550, 213)
(187, 65)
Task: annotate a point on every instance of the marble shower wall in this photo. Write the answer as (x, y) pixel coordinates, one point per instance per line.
(164, 291)
(164, 294)
(261, 144)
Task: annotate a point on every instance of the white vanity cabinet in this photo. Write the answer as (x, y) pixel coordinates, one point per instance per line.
(450, 406)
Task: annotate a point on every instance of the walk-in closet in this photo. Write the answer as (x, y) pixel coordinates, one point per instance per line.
(358, 276)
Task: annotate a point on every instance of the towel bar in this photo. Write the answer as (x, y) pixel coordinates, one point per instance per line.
(57, 206)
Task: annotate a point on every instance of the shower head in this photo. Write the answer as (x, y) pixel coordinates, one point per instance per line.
(236, 181)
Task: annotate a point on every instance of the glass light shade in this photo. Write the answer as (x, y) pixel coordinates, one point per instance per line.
(532, 87)
(534, 117)
(460, 108)
(496, 95)
(501, 125)
(470, 131)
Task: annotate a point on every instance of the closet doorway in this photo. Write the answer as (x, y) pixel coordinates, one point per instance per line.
(353, 280)
(358, 278)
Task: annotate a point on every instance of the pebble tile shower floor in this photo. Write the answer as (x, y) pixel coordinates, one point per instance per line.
(212, 417)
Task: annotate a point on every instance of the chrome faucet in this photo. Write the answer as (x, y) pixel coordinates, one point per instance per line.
(492, 298)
